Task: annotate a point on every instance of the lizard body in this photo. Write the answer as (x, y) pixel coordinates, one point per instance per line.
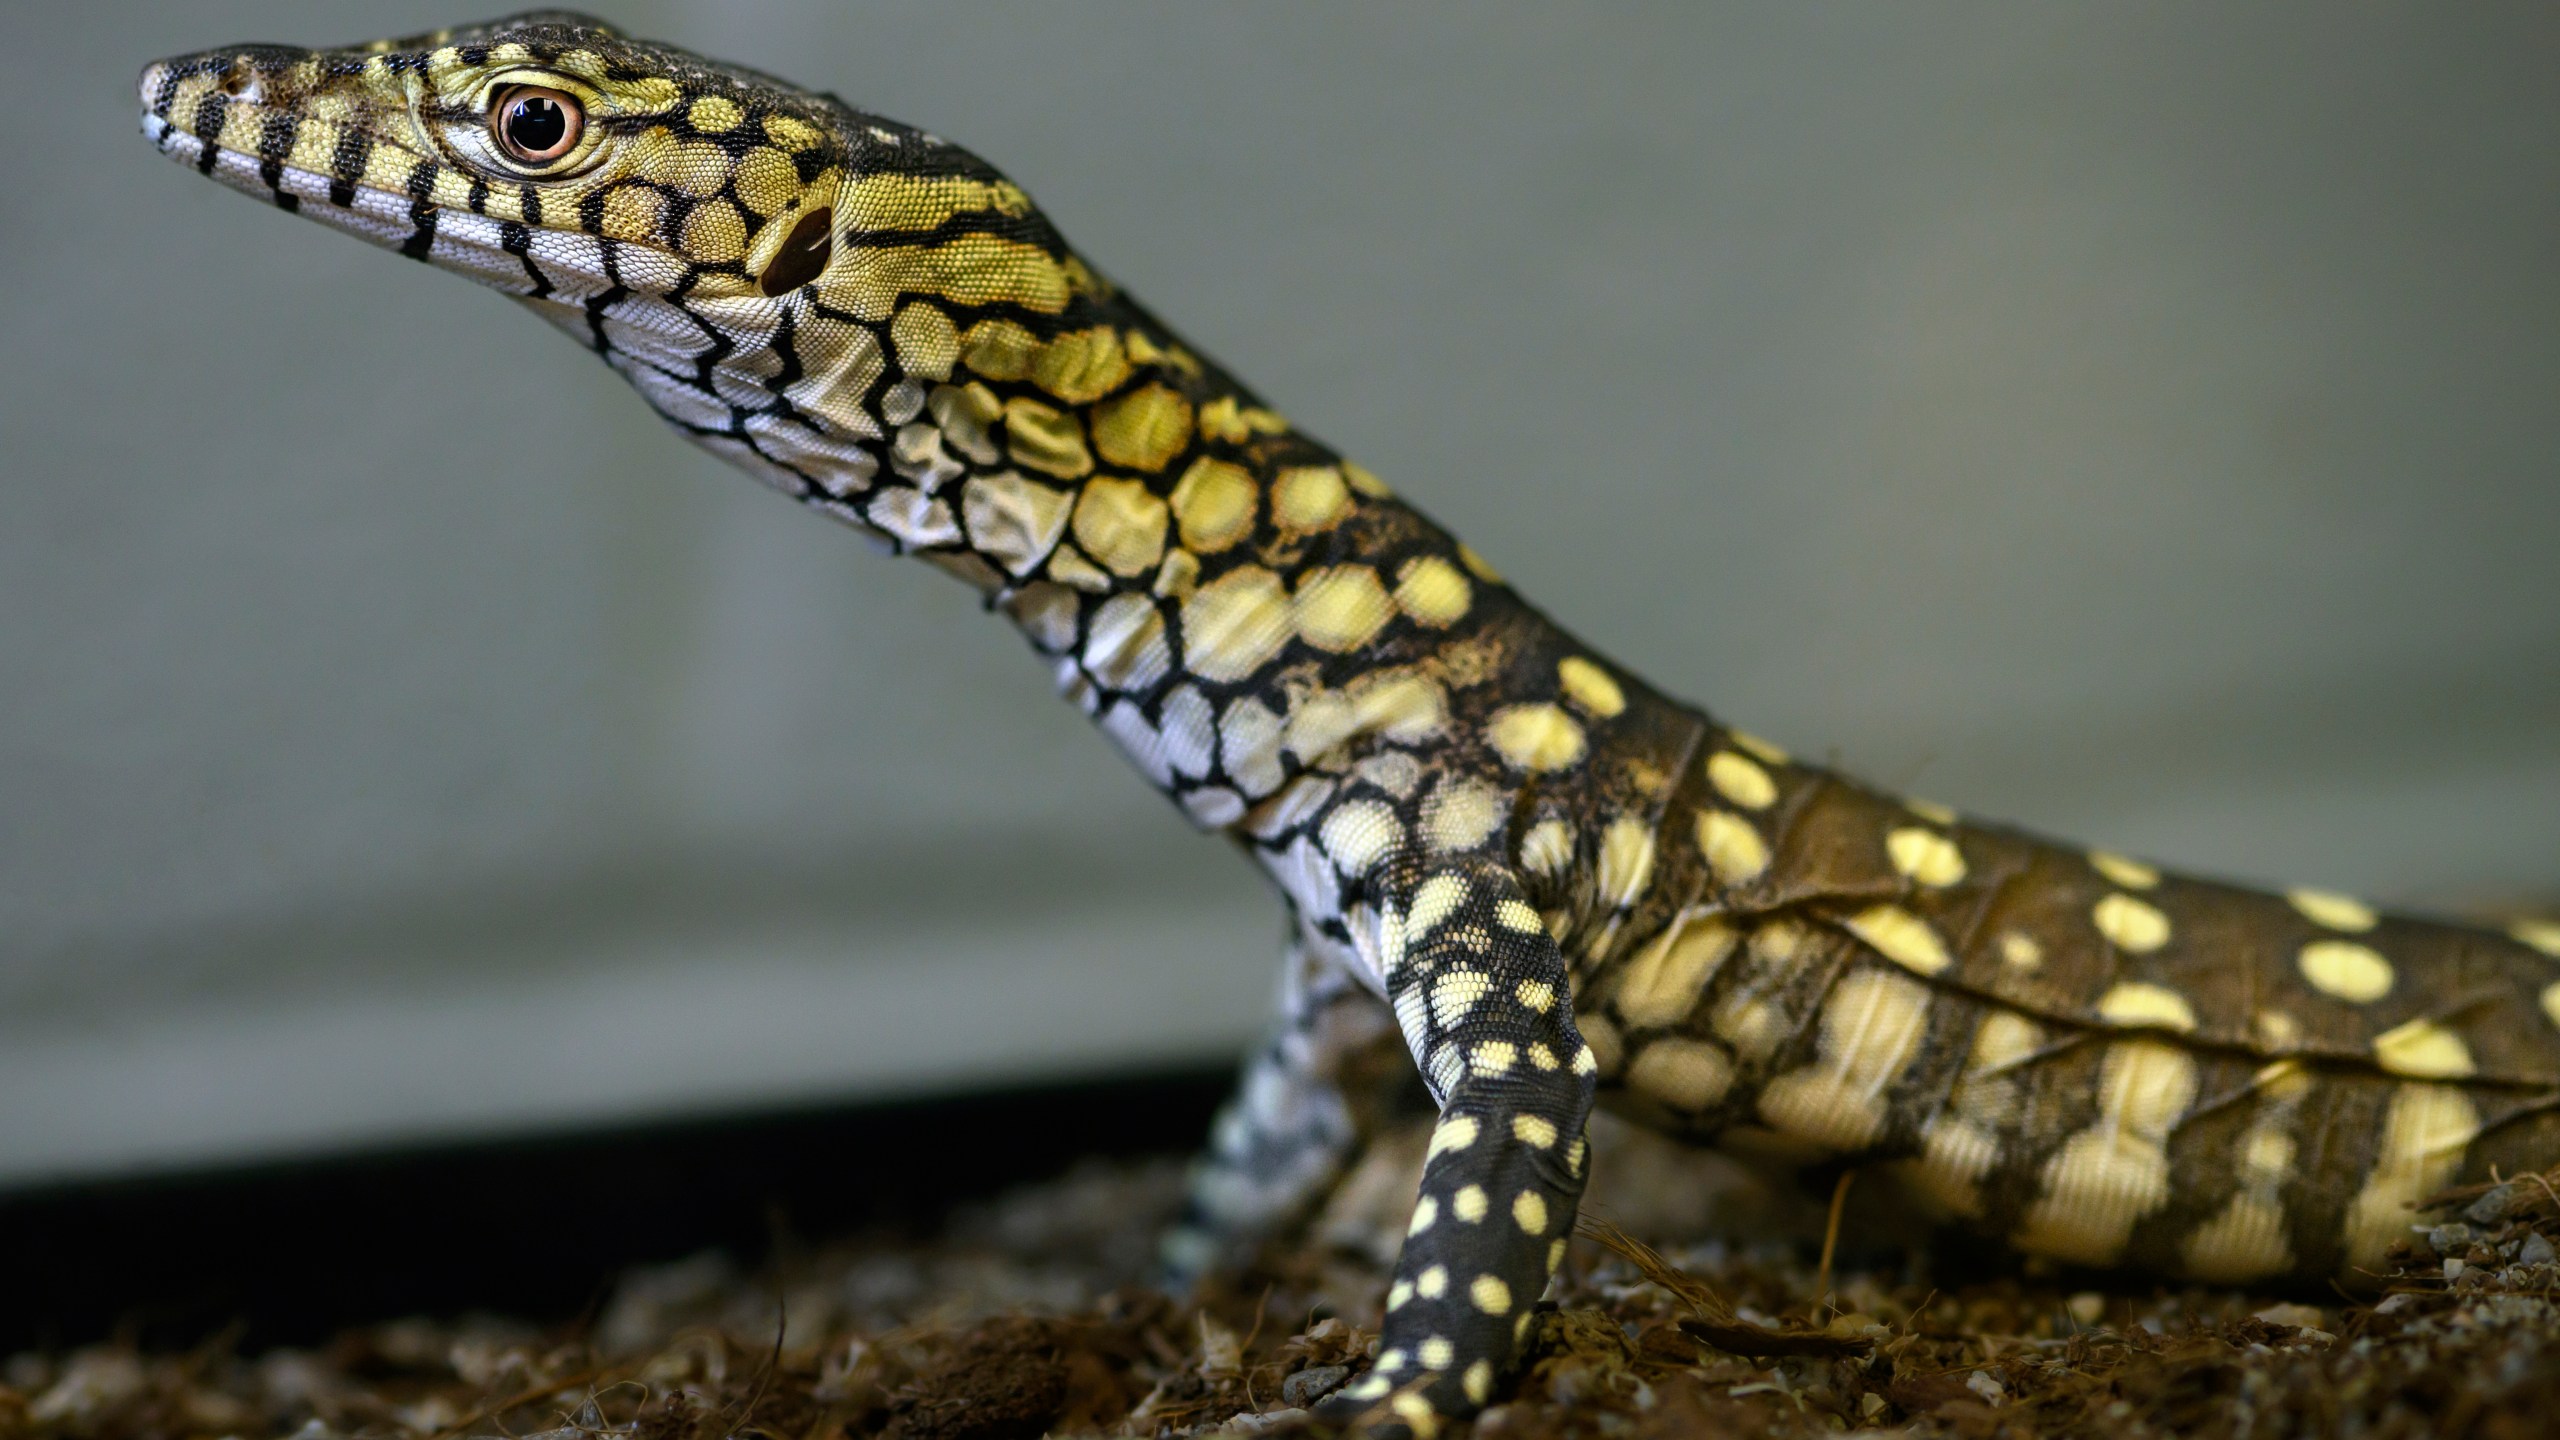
(1506, 856)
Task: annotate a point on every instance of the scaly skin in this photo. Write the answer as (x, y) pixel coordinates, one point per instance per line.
(1506, 856)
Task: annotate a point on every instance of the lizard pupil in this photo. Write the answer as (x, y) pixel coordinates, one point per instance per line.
(537, 125)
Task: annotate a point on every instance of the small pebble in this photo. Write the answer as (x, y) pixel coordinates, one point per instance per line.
(2492, 1207)
(2536, 1250)
(2453, 1271)
(1312, 1384)
(2088, 1307)
(2446, 1239)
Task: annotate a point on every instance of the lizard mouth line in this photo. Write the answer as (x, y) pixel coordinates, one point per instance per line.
(526, 261)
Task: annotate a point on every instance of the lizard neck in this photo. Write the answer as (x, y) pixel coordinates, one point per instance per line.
(1230, 599)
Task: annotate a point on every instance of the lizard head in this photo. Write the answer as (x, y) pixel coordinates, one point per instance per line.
(611, 163)
(739, 248)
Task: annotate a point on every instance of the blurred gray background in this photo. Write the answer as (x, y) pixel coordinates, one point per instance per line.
(2139, 421)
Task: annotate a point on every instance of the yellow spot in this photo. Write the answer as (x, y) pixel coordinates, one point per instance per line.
(1214, 503)
(1399, 1294)
(1046, 439)
(1744, 740)
(1954, 1156)
(2137, 1003)
(1538, 737)
(1438, 898)
(1734, 849)
(2274, 1031)
(714, 114)
(1529, 1211)
(1144, 429)
(1342, 608)
(1930, 810)
(999, 349)
(1479, 1381)
(1535, 1131)
(1436, 1353)
(1872, 1027)
(2423, 1050)
(1462, 814)
(631, 212)
(1626, 861)
(2104, 1179)
(1469, 1204)
(1452, 1134)
(2285, 1081)
(1310, 498)
(2245, 1240)
(2020, 951)
(1516, 915)
(2351, 972)
(1426, 1213)
(1547, 849)
(2124, 870)
(697, 167)
(790, 133)
(927, 345)
(2542, 935)
(1454, 993)
(1081, 366)
(1120, 523)
(1591, 687)
(2424, 1133)
(2005, 1039)
(1661, 984)
(1433, 1283)
(1433, 592)
(1684, 1074)
(1490, 1294)
(1901, 937)
(715, 234)
(1542, 1057)
(2130, 925)
(1752, 1027)
(1494, 1057)
(2333, 910)
(1235, 623)
(1477, 565)
(1741, 780)
(1925, 856)
(2267, 1153)
(2551, 1003)
(1555, 1262)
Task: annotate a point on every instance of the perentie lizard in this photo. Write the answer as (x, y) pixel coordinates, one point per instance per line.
(1506, 855)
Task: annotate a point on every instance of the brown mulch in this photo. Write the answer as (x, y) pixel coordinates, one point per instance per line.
(1025, 1317)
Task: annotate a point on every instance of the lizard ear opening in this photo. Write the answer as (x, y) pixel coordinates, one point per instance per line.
(804, 253)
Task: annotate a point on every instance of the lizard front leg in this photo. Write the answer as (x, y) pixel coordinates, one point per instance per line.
(1294, 1121)
(1481, 995)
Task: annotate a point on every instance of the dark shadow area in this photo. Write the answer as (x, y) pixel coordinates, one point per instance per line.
(534, 1227)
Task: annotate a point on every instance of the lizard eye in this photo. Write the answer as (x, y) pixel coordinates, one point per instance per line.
(534, 125)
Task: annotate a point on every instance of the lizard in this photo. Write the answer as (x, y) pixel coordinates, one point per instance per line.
(1513, 868)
